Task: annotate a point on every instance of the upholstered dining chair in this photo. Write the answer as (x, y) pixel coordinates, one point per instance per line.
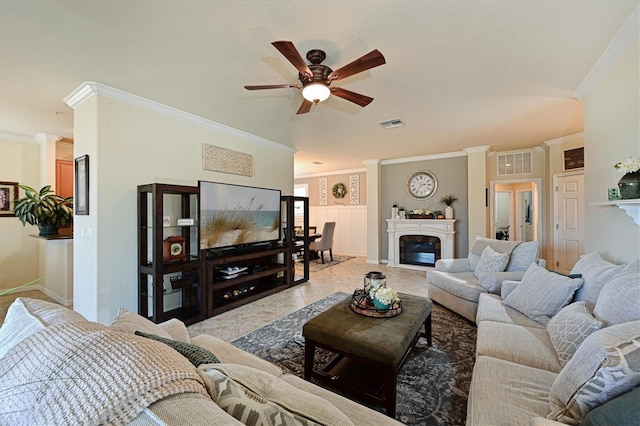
(325, 242)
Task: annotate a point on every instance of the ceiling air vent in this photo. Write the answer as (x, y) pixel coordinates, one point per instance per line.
(390, 124)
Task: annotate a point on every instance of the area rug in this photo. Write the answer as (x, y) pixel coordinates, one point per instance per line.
(432, 386)
(317, 265)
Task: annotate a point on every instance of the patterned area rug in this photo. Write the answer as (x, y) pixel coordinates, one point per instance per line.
(317, 265)
(433, 384)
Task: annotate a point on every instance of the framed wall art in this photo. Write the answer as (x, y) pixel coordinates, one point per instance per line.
(8, 194)
(81, 198)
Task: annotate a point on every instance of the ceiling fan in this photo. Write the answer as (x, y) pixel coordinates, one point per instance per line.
(315, 78)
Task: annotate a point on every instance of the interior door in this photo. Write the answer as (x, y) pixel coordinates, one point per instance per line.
(569, 232)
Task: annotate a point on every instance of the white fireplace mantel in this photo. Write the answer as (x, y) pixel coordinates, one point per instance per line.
(441, 228)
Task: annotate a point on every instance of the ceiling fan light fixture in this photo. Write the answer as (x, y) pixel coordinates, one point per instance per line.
(316, 92)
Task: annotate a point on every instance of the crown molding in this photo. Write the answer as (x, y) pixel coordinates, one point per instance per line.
(335, 172)
(623, 39)
(89, 89)
(424, 158)
(14, 137)
(565, 139)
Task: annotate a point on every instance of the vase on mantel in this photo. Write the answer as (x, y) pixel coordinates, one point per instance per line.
(448, 212)
(629, 186)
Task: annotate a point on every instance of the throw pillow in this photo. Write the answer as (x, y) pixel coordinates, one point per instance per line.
(606, 365)
(618, 301)
(129, 322)
(253, 394)
(596, 272)
(569, 328)
(26, 316)
(491, 261)
(194, 353)
(541, 294)
(523, 255)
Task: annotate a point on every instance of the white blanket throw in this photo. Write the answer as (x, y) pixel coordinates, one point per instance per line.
(85, 373)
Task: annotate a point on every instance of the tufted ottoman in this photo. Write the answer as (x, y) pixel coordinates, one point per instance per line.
(369, 352)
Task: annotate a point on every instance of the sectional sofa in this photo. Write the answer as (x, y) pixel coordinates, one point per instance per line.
(555, 349)
(58, 368)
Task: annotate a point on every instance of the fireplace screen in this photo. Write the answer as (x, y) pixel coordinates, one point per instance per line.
(419, 250)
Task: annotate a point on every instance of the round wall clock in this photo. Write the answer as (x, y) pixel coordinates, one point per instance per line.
(422, 185)
(174, 249)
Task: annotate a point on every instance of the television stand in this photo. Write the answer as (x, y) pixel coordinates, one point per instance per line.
(266, 274)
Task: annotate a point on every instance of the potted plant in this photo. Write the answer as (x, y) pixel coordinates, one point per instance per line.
(448, 200)
(45, 209)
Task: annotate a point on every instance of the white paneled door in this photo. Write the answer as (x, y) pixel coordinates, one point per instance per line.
(569, 232)
(350, 236)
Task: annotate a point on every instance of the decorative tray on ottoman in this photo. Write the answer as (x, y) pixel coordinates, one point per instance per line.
(363, 305)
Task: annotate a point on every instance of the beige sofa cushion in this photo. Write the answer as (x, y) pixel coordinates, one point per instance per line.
(461, 284)
(505, 393)
(229, 354)
(515, 343)
(619, 300)
(570, 327)
(359, 414)
(26, 316)
(492, 308)
(184, 409)
(130, 322)
(596, 272)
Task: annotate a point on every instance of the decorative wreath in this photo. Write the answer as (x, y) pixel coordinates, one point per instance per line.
(339, 190)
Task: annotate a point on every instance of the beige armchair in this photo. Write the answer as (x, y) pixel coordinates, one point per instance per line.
(325, 242)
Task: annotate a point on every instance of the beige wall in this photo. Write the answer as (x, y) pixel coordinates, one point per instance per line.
(128, 146)
(611, 134)
(19, 254)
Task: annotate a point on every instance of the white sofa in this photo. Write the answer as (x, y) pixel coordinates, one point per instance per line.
(62, 369)
(456, 285)
(530, 373)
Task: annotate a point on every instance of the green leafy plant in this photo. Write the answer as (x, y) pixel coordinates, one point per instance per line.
(448, 200)
(44, 208)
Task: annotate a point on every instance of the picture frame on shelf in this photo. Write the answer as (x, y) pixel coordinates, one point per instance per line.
(81, 198)
(8, 195)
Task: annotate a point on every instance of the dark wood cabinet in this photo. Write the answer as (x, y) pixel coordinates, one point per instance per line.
(295, 226)
(169, 267)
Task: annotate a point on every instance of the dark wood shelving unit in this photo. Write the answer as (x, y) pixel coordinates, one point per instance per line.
(174, 281)
(296, 213)
(267, 273)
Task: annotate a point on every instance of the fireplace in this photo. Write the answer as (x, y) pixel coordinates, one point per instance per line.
(421, 250)
(418, 243)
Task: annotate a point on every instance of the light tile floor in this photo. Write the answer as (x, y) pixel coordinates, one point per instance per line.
(344, 277)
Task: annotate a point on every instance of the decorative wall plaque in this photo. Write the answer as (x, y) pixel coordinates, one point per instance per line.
(354, 189)
(224, 160)
(574, 158)
(323, 191)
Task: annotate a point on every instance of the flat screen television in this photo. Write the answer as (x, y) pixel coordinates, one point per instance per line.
(235, 215)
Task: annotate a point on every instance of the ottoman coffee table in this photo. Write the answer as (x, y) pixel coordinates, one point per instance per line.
(369, 352)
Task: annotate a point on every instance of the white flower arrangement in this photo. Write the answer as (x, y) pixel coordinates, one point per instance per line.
(421, 212)
(630, 165)
(385, 295)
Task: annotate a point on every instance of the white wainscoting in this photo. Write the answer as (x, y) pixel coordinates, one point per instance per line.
(350, 236)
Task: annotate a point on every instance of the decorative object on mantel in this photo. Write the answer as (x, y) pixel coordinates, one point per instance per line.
(218, 159)
(438, 214)
(401, 213)
(421, 214)
(45, 209)
(629, 184)
(448, 200)
(394, 211)
(339, 190)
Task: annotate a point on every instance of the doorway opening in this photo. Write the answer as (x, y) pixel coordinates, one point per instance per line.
(515, 209)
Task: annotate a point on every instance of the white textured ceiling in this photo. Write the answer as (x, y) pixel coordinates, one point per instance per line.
(459, 73)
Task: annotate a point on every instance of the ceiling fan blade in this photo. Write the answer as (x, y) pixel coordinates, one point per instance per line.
(305, 107)
(291, 53)
(354, 97)
(272, 86)
(368, 61)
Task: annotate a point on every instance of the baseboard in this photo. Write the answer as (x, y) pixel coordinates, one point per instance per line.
(51, 294)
